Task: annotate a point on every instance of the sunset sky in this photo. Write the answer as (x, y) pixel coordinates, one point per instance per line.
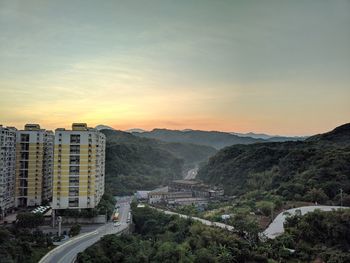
(279, 67)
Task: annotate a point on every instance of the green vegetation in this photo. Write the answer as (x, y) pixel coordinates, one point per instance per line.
(134, 163)
(313, 170)
(323, 234)
(163, 238)
(29, 220)
(74, 230)
(261, 212)
(21, 245)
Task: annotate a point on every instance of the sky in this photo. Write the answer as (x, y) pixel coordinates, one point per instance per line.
(279, 67)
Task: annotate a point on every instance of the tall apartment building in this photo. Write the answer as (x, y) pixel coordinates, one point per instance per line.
(34, 165)
(7, 169)
(79, 166)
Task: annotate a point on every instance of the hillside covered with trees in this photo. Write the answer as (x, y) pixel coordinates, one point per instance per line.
(163, 238)
(312, 170)
(322, 234)
(134, 163)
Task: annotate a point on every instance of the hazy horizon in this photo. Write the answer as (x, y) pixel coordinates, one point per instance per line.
(274, 67)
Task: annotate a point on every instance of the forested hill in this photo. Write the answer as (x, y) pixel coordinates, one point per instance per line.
(312, 170)
(134, 163)
(214, 139)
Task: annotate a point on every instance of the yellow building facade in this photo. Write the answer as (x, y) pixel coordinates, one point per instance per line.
(79, 167)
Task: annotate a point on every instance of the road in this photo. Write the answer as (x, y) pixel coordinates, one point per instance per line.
(276, 227)
(203, 221)
(67, 252)
(191, 174)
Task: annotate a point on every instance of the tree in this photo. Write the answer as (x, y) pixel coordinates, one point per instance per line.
(74, 230)
(203, 255)
(29, 220)
(265, 207)
(316, 195)
(247, 227)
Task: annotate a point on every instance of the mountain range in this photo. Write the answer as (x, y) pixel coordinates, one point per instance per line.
(214, 139)
(134, 163)
(311, 170)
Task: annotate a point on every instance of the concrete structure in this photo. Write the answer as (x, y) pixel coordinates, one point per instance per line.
(168, 197)
(142, 195)
(197, 188)
(197, 201)
(185, 192)
(34, 160)
(7, 169)
(79, 167)
(157, 197)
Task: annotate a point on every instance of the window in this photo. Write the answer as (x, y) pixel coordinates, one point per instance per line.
(24, 137)
(24, 147)
(74, 170)
(75, 149)
(24, 164)
(23, 191)
(75, 138)
(74, 181)
(73, 191)
(73, 202)
(23, 183)
(23, 173)
(74, 159)
(24, 155)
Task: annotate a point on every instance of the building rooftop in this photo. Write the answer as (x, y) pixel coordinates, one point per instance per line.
(158, 193)
(78, 127)
(190, 182)
(32, 127)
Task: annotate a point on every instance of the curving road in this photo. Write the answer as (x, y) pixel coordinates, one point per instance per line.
(67, 252)
(276, 227)
(203, 221)
(191, 174)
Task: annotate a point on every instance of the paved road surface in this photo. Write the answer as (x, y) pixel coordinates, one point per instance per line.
(191, 174)
(67, 252)
(276, 227)
(273, 230)
(203, 221)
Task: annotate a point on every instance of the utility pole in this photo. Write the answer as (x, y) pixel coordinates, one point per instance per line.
(341, 197)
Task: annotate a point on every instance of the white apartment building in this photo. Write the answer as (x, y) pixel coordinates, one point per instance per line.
(7, 169)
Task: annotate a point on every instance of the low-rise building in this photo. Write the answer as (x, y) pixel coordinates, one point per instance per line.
(197, 188)
(166, 197)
